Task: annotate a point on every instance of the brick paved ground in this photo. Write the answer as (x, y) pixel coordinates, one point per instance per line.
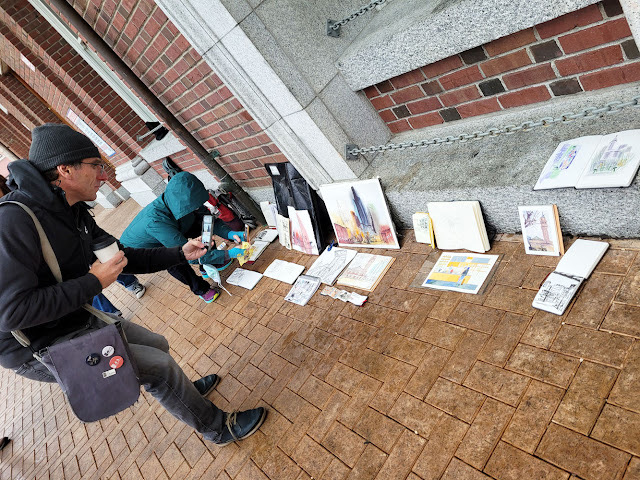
(416, 384)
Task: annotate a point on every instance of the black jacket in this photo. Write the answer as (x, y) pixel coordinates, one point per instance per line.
(30, 298)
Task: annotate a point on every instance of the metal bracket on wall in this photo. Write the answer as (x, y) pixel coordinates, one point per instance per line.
(348, 148)
(215, 154)
(331, 30)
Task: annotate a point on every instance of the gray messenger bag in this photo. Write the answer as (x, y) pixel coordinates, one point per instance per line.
(95, 369)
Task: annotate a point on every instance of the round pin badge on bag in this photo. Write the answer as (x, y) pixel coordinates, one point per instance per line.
(93, 359)
(116, 362)
(107, 351)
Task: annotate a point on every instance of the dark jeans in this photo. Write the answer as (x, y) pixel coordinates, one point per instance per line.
(160, 375)
(185, 274)
(102, 303)
(127, 280)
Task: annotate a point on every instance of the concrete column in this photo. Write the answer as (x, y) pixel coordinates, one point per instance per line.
(631, 10)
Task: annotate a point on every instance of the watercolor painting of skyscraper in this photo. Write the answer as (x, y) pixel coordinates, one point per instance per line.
(359, 214)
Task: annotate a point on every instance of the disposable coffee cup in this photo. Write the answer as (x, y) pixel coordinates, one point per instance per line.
(105, 249)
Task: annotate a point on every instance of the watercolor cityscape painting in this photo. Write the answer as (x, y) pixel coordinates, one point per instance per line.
(359, 214)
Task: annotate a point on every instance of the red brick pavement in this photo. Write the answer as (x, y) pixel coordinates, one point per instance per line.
(416, 384)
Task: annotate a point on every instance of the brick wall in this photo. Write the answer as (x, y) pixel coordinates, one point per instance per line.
(589, 49)
(151, 45)
(13, 135)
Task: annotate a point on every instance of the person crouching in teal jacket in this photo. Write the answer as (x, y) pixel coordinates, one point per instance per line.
(176, 216)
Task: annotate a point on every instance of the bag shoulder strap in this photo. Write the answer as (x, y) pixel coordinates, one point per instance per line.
(52, 261)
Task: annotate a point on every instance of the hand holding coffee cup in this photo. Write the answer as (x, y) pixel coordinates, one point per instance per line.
(111, 261)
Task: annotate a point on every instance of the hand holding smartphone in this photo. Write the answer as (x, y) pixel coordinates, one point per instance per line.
(207, 226)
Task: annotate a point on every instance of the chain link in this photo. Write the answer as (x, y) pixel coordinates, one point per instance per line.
(588, 112)
(357, 13)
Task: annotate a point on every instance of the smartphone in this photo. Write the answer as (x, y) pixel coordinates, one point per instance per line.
(207, 225)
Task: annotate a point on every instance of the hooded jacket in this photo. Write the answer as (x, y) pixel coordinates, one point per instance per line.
(170, 218)
(30, 298)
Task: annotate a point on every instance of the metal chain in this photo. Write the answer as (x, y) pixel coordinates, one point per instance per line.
(356, 14)
(588, 112)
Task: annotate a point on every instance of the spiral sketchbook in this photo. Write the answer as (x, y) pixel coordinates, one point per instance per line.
(573, 269)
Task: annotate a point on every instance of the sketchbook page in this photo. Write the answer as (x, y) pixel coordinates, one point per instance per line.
(614, 162)
(266, 235)
(481, 226)
(283, 231)
(268, 213)
(422, 227)
(566, 164)
(581, 258)
(244, 278)
(365, 271)
(258, 248)
(284, 271)
(556, 293)
(539, 230)
(303, 238)
(455, 225)
(460, 272)
(303, 290)
(329, 265)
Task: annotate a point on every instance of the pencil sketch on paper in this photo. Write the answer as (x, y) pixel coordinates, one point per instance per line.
(365, 271)
(329, 265)
(556, 292)
(303, 290)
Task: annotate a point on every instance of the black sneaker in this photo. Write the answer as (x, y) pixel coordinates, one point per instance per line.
(240, 425)
(4, 442)
(206, 384)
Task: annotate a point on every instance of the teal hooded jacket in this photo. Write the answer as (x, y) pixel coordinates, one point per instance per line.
(169, 218)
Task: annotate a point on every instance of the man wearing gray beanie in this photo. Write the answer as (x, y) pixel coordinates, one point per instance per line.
(63, 171)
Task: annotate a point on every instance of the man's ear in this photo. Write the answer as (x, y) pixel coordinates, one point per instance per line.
(64, 171)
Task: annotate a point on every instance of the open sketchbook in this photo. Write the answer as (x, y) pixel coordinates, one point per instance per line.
(329, 265)
(561, 285)
(365, 271)
(459, 225)
(598, 161)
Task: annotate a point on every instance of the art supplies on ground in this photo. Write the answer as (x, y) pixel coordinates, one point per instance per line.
(460, 272)
(574, 267)
(302, 234)
(359, 214)
(284, 271)
(244, 278)
(599, 161)
(423, 228)
(459, 225)
(248, 252)
(541, 230)
(329, 265)
(365, 271)
(260, 242)
(343, 295)
(303, 290)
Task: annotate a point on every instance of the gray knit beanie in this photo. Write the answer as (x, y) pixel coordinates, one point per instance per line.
(54, 144)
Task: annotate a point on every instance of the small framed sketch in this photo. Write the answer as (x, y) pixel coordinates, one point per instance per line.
(541, 230)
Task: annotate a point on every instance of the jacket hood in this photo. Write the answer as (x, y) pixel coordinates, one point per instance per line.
(26, 178)
(184, 194)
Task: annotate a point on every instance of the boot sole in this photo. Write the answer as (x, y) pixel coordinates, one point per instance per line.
(255, 428)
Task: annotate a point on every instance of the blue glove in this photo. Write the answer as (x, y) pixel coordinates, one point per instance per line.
(235, 252)
(231, 234)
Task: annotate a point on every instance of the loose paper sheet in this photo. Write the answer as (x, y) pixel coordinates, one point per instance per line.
(365, 271)
(244, 278)
(343, 295)
(268, 213)
(303, 290)
(284, 271)
(460, 272)
(329, 265)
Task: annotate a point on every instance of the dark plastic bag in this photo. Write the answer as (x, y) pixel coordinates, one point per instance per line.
(92, 393)
(291, 189)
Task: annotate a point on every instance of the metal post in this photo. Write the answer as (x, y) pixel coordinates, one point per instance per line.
(130, 78)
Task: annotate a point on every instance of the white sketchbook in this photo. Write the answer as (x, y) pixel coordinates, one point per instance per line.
(244, 278)
(423, 228)
(329, 265)
(459, 225)
(266, 235)
(303, 290)
(284, 232)
(598, 161)
(284, 271)
(268, 212)
(574, 268)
